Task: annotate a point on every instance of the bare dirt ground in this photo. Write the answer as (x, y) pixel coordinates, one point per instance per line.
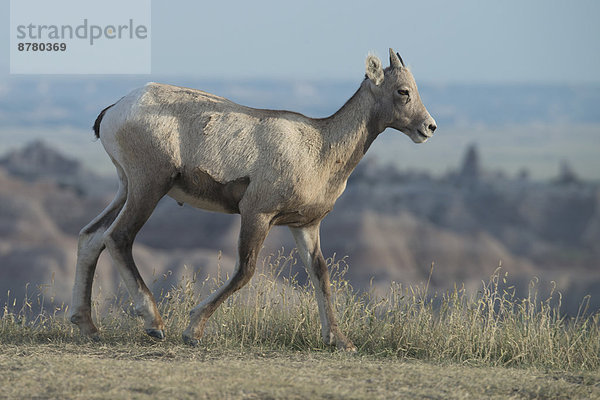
(162, 370)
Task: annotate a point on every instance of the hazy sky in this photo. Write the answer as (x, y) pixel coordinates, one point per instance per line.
(444, 41)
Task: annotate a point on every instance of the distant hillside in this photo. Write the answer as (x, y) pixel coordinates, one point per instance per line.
(390, 224)
(37, 162)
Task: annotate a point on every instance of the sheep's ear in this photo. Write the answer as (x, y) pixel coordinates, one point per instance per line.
(374, 69)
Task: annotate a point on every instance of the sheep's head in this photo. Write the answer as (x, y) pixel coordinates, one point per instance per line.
(399, 105)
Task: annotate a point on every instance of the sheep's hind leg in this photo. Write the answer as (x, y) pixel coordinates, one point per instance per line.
(119, 237)
(90, 246)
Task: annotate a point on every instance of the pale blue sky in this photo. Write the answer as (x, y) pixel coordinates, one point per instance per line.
(444, 41)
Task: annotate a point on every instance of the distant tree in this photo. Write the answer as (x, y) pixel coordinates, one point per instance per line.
(471, 165)
(566, 174)
(523, 174)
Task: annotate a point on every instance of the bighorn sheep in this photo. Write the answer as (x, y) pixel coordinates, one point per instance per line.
(271, 167)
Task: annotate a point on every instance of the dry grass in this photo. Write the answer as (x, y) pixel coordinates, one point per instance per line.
(274, 312)
(409, 341)
(164, 370)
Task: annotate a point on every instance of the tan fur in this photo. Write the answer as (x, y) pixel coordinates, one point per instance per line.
(272, 167)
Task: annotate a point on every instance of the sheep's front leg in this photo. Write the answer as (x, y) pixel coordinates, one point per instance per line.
(253, 232)
(309, 247)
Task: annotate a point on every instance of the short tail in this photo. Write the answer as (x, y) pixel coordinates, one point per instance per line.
(99, 120)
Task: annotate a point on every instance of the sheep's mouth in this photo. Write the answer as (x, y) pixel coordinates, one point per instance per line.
(422, 134)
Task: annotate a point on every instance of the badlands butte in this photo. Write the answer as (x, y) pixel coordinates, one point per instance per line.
(389, 225)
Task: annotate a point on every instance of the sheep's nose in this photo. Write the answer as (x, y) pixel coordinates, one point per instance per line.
(432, 127)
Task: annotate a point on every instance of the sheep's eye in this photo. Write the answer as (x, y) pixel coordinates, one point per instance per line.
(403, 92)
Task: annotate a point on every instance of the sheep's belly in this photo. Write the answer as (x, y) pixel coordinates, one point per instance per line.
(199, 202)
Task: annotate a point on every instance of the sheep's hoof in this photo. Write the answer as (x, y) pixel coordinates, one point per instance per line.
(94, 337)
(348, 348)
(190, 341)
(156, 333)
(342, 343)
